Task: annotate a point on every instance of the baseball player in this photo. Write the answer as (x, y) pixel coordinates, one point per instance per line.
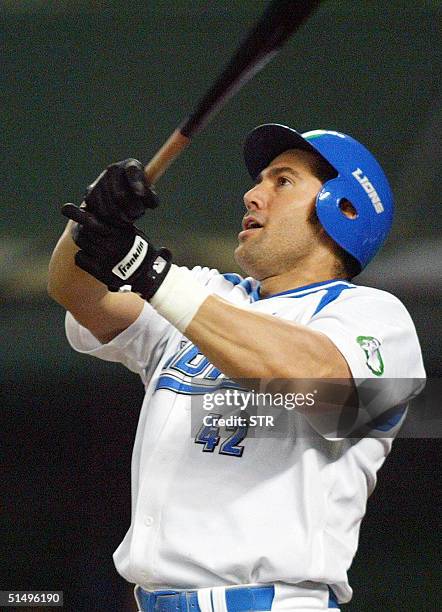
(225, 519)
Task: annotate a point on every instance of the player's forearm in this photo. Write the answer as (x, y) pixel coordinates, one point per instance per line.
(103, 313)
(68, 284)
(247, 344)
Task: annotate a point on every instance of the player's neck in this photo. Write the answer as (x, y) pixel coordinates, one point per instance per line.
(296, 278)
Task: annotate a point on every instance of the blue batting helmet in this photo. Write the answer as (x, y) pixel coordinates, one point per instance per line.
(360, 180)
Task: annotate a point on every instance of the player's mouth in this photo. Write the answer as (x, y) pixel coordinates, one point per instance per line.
(250, 225)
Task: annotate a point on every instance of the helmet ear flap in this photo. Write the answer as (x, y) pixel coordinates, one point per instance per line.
(345, 220)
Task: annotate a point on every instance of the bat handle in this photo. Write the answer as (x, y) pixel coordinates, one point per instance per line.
(162, 159)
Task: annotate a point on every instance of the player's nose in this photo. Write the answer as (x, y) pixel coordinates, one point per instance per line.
(254, 199)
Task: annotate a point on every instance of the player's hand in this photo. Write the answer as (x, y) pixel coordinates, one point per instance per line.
(117, 256)
(121, 193)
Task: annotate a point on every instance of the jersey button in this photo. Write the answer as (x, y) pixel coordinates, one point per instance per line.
(148, 521)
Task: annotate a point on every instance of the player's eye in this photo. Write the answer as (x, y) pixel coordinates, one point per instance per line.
(283, 180)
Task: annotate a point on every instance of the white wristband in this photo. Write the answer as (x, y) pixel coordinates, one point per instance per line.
(179, 297)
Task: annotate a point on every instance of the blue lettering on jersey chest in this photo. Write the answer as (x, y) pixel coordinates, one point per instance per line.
(191, 373)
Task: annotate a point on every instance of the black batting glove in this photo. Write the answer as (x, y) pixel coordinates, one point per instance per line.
(121, 194)
(117, 256)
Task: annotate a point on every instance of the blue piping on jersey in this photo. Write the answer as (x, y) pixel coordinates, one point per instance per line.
(331, 295)
(170, 383)
(294, 292)
(237, 280)
(390, 422)
(311, 286)
(247, 285)
(332, 599)
(233, 278)
(255, 295)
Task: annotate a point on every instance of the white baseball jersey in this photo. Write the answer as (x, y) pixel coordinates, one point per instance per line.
(208, 511)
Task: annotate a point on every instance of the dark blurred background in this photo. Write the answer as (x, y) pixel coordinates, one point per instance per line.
(88, 83)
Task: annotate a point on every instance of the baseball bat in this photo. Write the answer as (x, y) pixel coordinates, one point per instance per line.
(281, 19)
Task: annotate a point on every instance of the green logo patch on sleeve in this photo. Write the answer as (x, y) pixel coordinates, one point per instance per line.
(373, 357)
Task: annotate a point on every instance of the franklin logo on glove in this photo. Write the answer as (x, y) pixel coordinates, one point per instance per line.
(133, 260)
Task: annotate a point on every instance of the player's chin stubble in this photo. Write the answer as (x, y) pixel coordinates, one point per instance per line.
(255, 260)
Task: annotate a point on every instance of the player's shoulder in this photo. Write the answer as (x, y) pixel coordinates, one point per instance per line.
(371, 301)
(370, 294)
(361, 292)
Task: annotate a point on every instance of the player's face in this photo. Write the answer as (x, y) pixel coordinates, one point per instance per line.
(278, 235)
